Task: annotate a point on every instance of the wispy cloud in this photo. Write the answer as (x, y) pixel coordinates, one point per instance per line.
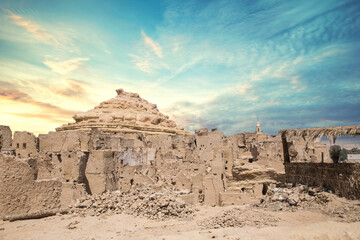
(75, 89)
(154, 46)
(243, 88)
(67, 66)
(49, 117)
(22, 97)
(150, 55)
(259, 76)
(141, 63)
(37, 31)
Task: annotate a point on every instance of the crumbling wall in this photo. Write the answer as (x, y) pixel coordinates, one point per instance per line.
(5, 138)
(342, 179)
(20, 192)
(26, 144)
(303, 149)
(200, 166)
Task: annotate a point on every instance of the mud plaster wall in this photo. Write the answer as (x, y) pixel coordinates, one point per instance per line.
(5, 138)
(96, 162)
(342, 179)
(20, 192)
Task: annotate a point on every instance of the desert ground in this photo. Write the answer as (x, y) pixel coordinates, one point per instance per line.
(300, 224)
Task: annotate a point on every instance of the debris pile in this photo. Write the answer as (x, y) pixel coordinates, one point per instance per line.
(303, 197)
(150, 203)
(239, 217)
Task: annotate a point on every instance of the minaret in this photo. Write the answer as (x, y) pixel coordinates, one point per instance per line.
(258, 127)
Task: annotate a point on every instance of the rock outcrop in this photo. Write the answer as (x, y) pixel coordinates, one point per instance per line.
(127, 113)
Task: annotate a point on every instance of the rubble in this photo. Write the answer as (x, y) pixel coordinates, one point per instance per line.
(240, 217)
(315, 199)
(156, 204)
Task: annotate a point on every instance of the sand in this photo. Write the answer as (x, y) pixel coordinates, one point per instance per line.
(301, 224)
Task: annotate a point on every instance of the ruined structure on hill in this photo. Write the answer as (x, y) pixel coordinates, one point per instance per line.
(126, 113)
(125, 143)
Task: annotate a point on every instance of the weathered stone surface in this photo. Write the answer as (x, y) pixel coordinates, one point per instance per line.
(25, 144)
(127, 112)
(20, 192)
(5, 138)
(340, 178)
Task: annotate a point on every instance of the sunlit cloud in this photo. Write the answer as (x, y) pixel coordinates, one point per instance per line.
(259, 76)
(142, 64)
(37, 31)
(74, 88)
(154, 46)
(22, 97)
(48, 117)
(67, 66)
(243, 88)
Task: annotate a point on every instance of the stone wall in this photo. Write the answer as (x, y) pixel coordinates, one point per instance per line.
(204, 166)
(20, 192)
(5, 138)
(342, 178)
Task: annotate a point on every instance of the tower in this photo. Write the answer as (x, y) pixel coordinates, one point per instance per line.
(258, 127)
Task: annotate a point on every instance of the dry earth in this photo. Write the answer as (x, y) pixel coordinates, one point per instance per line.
(253, 223)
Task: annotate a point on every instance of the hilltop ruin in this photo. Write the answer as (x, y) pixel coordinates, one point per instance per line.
(125, 143)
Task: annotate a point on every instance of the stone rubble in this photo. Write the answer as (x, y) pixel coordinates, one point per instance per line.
(147, 202)
(303, 197)
(240, 217)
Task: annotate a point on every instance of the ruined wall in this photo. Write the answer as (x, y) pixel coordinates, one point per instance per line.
(342, 178)
(5, 138)
(20, 192)
(305, 149)
(25, 144)
(264, 149)
(200, 167)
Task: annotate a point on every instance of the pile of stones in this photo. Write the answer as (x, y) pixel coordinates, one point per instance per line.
(286, 198)
(150, 203)
(303, 197)
(239, 217)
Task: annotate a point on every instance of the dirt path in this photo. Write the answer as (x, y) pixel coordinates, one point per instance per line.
(290, 225)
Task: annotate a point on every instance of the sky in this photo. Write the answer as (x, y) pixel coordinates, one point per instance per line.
(207, 64)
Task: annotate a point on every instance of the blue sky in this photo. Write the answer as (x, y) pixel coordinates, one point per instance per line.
(292, 64)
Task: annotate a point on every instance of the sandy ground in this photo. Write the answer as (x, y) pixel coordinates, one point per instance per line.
(300, 225)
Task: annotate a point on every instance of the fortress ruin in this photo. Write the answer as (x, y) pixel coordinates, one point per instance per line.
(126, 143)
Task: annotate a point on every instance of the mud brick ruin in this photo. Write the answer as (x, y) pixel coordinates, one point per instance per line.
(126, 143)
(308, 163)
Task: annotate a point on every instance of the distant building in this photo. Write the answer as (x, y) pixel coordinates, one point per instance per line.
(258, 127)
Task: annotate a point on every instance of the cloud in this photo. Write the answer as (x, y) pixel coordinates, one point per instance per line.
(154, 46)
(18, 96)
(49, 117)
(259, 76)
(65, 67)
(243, 88)
(176, 47)
(37, 31)
(75, 88)
(142, 64)
(149, 56)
